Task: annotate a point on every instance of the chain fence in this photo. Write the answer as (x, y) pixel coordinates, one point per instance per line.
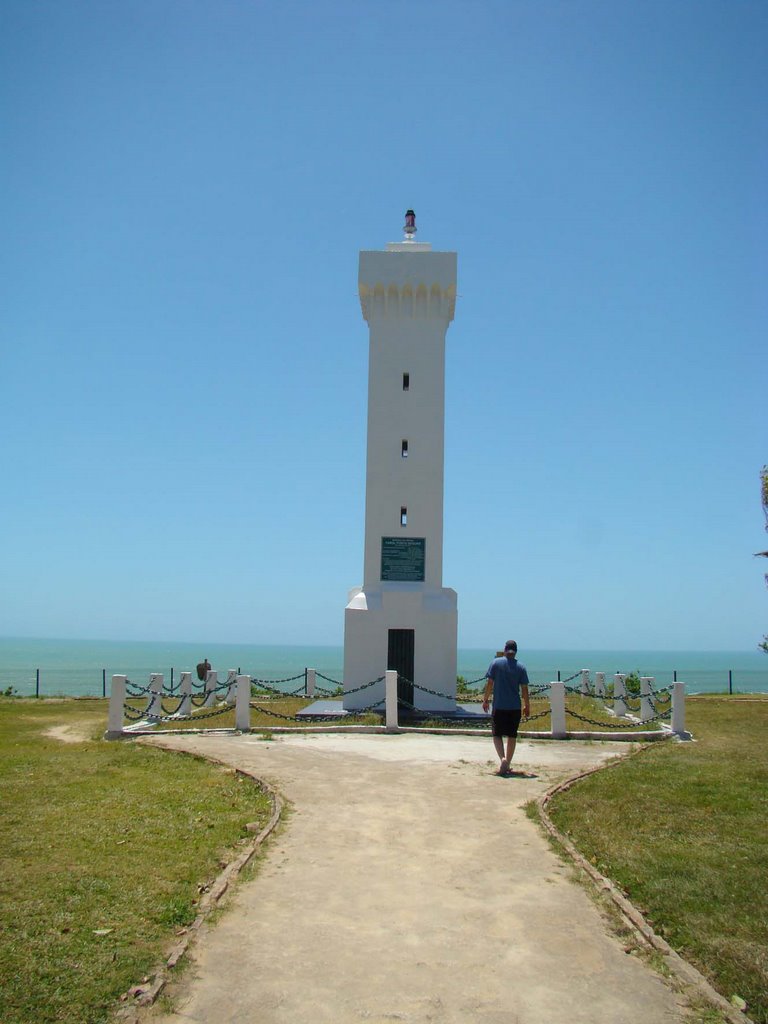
(613, 724)
(272, 683)
(322, 716)
(134, 715)
(160, 708)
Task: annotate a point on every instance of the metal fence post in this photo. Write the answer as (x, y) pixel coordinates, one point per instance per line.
(646, 704)
(211, 682)
(243, 705)
(599, 684)
(678, 709)
(309, 688)
(37, 682)
(103, 682)
(557, 710)
(116, 701)
(185, 695)
(585, 681)
(154, 707)
(390, 687)
(619, 693)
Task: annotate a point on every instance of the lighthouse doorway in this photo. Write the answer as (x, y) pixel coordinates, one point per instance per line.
(400, 658)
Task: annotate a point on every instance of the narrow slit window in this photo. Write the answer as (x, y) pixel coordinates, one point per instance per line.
(404, 448)
(403, 515)
(406, 381)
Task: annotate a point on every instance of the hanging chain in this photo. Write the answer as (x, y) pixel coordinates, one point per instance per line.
(270, 683)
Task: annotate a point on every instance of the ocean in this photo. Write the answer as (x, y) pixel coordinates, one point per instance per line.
(80, 667)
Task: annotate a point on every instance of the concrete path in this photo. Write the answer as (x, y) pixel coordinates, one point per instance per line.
(408, 885)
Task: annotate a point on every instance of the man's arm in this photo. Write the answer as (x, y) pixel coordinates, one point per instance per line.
(526, 701)
(487, 693)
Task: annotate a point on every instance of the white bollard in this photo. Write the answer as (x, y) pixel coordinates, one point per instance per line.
(232, 686)
(185, 695)
(557, 710)
(211, 682)
(585, 681)
(390, 690)
(678, 709)
(646, 704)
(242, 704)
(116, 702)
(619, 693)
(599, 684)
(155, 698)
(311, 675)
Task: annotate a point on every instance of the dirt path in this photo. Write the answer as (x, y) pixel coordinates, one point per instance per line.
(409, 885)
(74, 732)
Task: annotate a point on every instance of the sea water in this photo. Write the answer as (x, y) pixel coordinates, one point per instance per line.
(85, 667)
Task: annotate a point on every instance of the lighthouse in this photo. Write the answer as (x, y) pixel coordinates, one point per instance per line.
(402, 617)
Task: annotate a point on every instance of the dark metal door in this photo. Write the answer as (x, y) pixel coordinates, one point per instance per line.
(400, 648)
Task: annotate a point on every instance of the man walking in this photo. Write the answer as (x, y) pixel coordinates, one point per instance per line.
(507, 680)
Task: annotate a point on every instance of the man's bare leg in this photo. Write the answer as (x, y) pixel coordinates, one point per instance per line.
(511, 744)
(498, 742)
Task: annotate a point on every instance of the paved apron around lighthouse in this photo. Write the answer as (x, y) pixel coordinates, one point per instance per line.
(409, 885)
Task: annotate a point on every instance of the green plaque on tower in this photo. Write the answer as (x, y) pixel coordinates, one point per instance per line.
(402, 559)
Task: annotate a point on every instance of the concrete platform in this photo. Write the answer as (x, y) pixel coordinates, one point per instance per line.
(324, 709)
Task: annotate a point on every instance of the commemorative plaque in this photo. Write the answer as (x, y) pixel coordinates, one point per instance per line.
(402, 559)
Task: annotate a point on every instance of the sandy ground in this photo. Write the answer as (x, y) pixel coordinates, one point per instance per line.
(408, 885)
(73, 733)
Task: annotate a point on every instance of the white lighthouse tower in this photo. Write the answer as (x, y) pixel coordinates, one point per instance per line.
(403, 617)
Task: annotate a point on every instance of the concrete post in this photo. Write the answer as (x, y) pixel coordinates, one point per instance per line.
(242, 704)
(557, 710)
(232, 687)
(155, 697)
(311, 675)
(116, 701)
(619, 693)
(678, 709)
(646, 704)
(185, 695)
(585, 681)
(599, 684)
(211, 682)
(390, 690)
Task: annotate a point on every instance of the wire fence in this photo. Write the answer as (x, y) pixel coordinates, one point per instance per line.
(87, 682)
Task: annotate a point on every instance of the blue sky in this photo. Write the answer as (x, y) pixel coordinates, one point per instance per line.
(185, 187)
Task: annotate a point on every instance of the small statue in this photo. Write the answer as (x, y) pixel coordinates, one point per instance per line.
(410, 224)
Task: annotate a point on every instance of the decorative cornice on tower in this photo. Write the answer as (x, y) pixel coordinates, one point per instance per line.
(421, 302)
(421, 286)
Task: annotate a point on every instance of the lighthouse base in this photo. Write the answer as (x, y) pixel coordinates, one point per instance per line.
(407, 627)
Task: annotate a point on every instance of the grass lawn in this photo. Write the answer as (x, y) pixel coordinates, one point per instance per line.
(102, 849)
(682, 828)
